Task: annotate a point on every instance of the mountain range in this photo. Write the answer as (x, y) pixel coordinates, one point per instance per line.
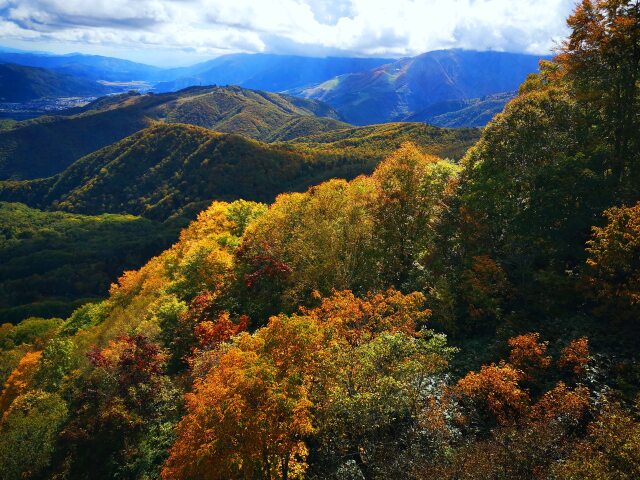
(274, 73)
(92, 67)
(409, 87)
(262, 71)
(468, 87)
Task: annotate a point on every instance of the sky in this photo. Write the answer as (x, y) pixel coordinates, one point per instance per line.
(182, 32)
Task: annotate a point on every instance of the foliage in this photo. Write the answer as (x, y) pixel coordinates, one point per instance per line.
(20, 380)
(611, 449)
(298, 334)
(602, 61)
(28, 434)
(258, 384)
(544, 170)
(370, 233)
(32, 330)
(127, 400)
(343, 371)
(55, 256)
(613, 270)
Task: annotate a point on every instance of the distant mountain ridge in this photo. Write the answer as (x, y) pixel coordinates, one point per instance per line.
(275, 73)
(363, 90)
(20, 84)
(402, 89)
(93, 67)
(261, 71)
(475, 112)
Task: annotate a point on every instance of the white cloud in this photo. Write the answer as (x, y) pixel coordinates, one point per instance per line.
(354, 27)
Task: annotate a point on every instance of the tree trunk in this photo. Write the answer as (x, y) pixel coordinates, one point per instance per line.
(285, 467)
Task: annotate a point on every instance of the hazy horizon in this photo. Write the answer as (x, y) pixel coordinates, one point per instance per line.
(205, 58)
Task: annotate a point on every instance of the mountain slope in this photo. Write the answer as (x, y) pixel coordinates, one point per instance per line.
(51, 262)
(377, 141)
(398, 90)
(175, 170)
(47, 145)
(267, 71)
(476, 112)
(93, 67)
(21, 84)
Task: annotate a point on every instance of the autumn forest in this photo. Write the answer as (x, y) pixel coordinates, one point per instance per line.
(363, 303)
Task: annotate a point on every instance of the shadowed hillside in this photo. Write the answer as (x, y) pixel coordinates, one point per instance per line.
(20, 84)
(52, 262)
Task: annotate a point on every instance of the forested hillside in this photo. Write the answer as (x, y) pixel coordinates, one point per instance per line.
(172, 171)
(433, 320)
(53, 262)
(45, 146)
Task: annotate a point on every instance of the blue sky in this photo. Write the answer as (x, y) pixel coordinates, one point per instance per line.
(180, 32)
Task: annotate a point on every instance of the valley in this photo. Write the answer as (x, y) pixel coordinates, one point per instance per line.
(41, 106)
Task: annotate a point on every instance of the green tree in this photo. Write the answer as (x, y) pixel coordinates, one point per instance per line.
(412, 192)
(613, 266)
(28, 433)
(602, 60)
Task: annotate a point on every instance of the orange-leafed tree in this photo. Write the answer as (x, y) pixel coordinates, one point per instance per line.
(357, 320)
(495, 393)
(20, 379)
(249, 416)
(528, 354)
(575, 357)
(211, 333)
